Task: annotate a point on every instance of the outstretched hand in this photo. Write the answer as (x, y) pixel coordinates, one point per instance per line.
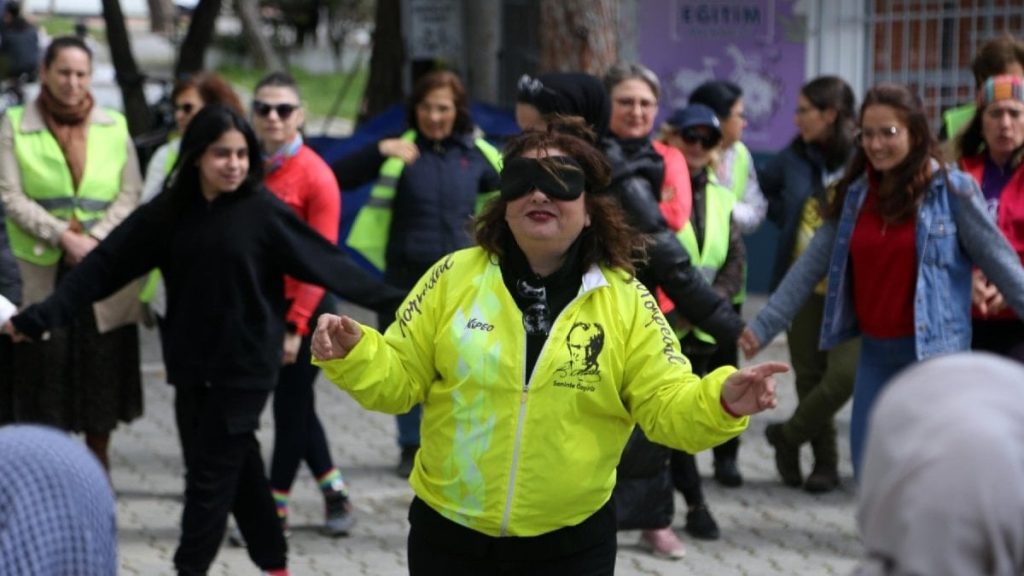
(752, 389)
(749, 343)
(335, 337)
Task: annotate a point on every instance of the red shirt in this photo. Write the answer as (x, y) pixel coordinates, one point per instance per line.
(306, 183)
(884, 258)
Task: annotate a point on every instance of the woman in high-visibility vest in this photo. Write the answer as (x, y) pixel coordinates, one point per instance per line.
(992, 151)
(799, 183)
(430, 182)
(68, 176)
(716, 248)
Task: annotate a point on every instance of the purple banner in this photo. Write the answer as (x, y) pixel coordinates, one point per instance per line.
(758, 44)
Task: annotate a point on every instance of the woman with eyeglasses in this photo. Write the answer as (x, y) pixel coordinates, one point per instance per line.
(224, 244)
(799, 184)
(68, 176)
(897, 248)
(303, 181)
(644, 491)
(533, 356)
(991, 150)
(430, 181)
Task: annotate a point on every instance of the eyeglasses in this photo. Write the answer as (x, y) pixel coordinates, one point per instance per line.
(644, 103)
(885, 134)
(283, 110)
(185, 108)
(706, 139)
(536, 318)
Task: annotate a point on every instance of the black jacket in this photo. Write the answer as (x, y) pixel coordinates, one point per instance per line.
(224, 264)
(10, 277)
(637, 175)
(435, 198)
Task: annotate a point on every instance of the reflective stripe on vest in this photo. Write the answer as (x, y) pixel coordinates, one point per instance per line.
(372, 225)
(46, 179)
(711, 256)
(957, 119)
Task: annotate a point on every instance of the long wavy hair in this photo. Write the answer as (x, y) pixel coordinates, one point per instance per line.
(901, 189)
(609, 240)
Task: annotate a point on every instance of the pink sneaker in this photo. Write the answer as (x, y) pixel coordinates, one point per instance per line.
(663, 543)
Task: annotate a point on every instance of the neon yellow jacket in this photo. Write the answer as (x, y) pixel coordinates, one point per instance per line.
(512, 457)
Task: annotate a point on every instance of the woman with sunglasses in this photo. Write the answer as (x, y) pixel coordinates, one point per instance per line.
(799, 184)
(303, 181)
(991, 150)
(68, 177)
(224, 244)
(430, 181)
(897, 249)
(533, 355)
(716, 247)
(644, 491)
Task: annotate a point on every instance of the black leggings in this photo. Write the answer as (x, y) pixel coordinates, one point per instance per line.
(298, 434)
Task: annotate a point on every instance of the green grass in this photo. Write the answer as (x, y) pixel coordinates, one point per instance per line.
(65, 26)
(319, 91)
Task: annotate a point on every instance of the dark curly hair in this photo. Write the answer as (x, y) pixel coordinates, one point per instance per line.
(609, 240)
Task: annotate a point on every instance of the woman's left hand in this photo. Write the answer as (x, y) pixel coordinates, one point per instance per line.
(752, 389)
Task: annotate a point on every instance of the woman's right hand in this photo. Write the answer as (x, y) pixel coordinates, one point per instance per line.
(335, 337)
(749, 343)
(76, 246)
(404, 150)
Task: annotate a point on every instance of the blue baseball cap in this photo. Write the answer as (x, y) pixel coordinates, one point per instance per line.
(695, 115)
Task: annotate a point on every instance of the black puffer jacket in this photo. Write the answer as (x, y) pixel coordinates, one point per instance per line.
(637, 175)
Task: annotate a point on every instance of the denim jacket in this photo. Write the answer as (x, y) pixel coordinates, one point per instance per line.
(953, 233)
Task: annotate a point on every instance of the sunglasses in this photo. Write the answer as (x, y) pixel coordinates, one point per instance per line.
(705, 139)
(283, 110)
(185, 108)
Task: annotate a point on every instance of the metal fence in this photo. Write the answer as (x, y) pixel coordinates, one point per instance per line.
(929, 44)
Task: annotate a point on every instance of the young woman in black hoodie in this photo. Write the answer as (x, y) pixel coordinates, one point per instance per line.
(224, 244)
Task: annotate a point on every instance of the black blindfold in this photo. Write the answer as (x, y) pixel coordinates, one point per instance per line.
(559, 178)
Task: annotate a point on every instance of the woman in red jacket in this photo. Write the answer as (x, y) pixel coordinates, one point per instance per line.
(296, 175)
(992, 151)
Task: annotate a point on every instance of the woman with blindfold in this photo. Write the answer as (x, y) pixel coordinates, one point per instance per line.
(533, 355)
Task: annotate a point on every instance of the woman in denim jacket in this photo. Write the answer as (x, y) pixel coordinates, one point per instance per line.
(902, 237)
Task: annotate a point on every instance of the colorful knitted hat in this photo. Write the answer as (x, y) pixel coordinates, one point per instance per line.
(1003, 87)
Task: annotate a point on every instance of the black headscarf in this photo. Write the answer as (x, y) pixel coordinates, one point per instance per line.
(568, 93)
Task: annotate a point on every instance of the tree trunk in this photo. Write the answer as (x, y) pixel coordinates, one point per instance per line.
(384, 87)
(192, 55)
(578, 35)
(136, 109)
(161, 16)
(263, 54)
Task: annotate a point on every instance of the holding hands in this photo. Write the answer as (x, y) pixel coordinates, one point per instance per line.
(985, 295)
(335, 337)
(752, 389)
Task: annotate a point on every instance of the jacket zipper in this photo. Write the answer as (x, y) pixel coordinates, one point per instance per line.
(522, 417)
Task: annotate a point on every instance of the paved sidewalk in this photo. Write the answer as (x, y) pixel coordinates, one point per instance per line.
(766, 528)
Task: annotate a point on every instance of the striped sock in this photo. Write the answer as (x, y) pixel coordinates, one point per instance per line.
(331, 481)
(281, 502)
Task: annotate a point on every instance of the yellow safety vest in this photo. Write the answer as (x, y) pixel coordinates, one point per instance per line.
(738, 183)
(370, 230)
(46, 179)
(711, 255)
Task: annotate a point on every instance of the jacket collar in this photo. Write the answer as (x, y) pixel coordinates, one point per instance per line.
(32, 119)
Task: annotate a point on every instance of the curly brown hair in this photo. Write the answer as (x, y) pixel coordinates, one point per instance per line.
(609, 240)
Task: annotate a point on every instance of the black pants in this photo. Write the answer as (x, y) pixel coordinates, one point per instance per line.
(449, 549)
(226, 474)
(1003, 337)
(298, 434)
